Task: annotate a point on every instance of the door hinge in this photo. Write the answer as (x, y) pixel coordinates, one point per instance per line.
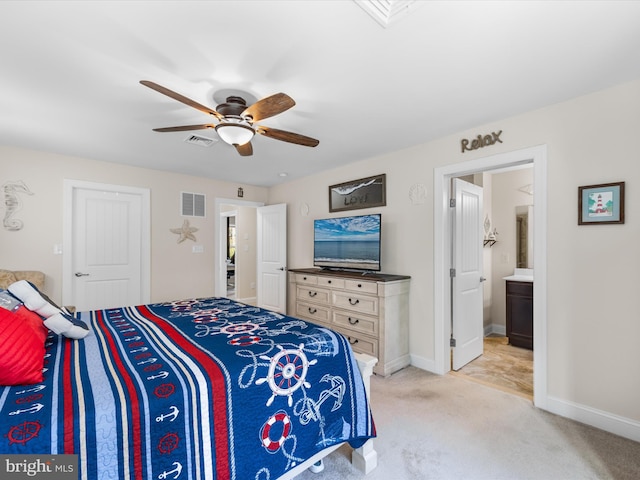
(452, 342)
(452, 202)
(452, 272)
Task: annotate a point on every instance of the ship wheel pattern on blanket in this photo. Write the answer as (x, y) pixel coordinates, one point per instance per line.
(287, 368)
(287, 372)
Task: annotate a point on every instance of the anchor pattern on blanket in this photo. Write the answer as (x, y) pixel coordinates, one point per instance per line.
(160, 381)
(282, 368)
(28, 402)
(289, 380)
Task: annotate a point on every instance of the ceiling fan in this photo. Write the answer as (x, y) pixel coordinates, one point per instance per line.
(236, 125)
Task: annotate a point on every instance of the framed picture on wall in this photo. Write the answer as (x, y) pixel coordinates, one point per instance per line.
(363, 193)
(601, 204)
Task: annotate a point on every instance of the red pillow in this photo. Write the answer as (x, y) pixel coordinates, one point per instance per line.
(22, 338)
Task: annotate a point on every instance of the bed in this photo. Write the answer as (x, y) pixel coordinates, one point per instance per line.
(193, 389)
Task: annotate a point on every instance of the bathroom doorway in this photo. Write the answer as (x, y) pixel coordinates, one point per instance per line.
(442, 179)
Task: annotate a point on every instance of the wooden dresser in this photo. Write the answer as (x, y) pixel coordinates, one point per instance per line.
(371, 310)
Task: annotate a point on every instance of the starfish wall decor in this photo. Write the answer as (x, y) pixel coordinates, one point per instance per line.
(185, 232)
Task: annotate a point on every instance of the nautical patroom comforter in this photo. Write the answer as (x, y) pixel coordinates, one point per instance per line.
(195, 389)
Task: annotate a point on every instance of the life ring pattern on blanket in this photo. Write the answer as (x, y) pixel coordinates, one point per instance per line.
(283, 425)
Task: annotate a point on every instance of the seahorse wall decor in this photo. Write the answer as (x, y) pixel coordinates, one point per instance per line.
(12, 202)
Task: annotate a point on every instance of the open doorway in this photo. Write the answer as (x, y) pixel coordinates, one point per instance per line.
(236, 245)
(443, 253)
(231, 252)
(505, 357)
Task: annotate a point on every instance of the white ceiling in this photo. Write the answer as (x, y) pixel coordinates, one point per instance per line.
(70, 72)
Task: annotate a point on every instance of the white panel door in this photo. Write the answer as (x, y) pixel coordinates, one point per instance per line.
(272, 257)
(106, 249)
(467, 283)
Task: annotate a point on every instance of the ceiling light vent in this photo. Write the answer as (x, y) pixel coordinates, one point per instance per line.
(198, 140)
(193, 204)
(386, 12)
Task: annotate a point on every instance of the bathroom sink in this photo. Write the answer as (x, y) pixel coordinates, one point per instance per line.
(521, 275)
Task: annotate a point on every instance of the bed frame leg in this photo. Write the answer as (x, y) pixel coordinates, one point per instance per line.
(317, 467)
(365, 458)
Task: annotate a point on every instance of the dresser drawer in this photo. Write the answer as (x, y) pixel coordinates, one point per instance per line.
(356, 303)
(331, 282)
(313, 294)
(360, 343)
(313, 313)
(357, 323)
(306, 279)
(361, 286)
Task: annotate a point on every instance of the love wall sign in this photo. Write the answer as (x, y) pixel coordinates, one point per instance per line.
(480, 141)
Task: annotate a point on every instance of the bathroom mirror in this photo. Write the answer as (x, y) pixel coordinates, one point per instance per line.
(524, 236)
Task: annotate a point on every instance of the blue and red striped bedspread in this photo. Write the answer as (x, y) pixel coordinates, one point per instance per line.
(195, 389)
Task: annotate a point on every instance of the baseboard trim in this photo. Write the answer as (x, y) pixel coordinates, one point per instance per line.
(622, 426)
(398, 364)
(609, 422)
(495, 329)
(425, 364)
(248, 300)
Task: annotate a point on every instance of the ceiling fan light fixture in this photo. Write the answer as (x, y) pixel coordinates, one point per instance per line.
(235, 133)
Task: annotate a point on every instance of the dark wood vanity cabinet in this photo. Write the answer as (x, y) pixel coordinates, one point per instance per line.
(520, 314)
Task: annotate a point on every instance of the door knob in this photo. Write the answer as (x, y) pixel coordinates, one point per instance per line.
(482, 279)
(80, 274)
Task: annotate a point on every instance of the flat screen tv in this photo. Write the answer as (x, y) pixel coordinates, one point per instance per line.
(350, 243)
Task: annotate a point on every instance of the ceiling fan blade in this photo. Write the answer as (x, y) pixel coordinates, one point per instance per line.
(180, 98)
(184, 128)
(269, 106)
(245, 150)
(287, 136)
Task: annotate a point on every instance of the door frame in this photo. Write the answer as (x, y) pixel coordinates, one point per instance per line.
(69, 186)
(219, 241)
(442, 254)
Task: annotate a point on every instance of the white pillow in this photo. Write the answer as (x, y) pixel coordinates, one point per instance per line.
(56, 319)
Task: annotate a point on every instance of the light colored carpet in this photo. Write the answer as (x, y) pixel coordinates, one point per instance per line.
(446, 427)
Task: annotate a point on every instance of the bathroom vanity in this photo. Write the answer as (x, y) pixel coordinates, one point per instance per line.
(519, 314)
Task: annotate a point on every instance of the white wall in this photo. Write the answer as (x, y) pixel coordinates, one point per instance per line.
(593, 303)
(175, 271)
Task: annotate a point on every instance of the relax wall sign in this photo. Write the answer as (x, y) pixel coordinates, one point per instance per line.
(480, 141)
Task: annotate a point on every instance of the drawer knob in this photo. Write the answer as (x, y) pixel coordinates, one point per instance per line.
(353, 321)
(313, 294)
(304, 278)
(312, 310)
(328, 281)
(359, 285)
(353, 341)
(354, 302)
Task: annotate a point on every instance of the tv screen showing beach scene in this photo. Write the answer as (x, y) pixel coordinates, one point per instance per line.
(351, 243)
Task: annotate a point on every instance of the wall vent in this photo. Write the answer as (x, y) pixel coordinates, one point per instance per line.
(199, 140)
(193, 204)
(386, 12)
